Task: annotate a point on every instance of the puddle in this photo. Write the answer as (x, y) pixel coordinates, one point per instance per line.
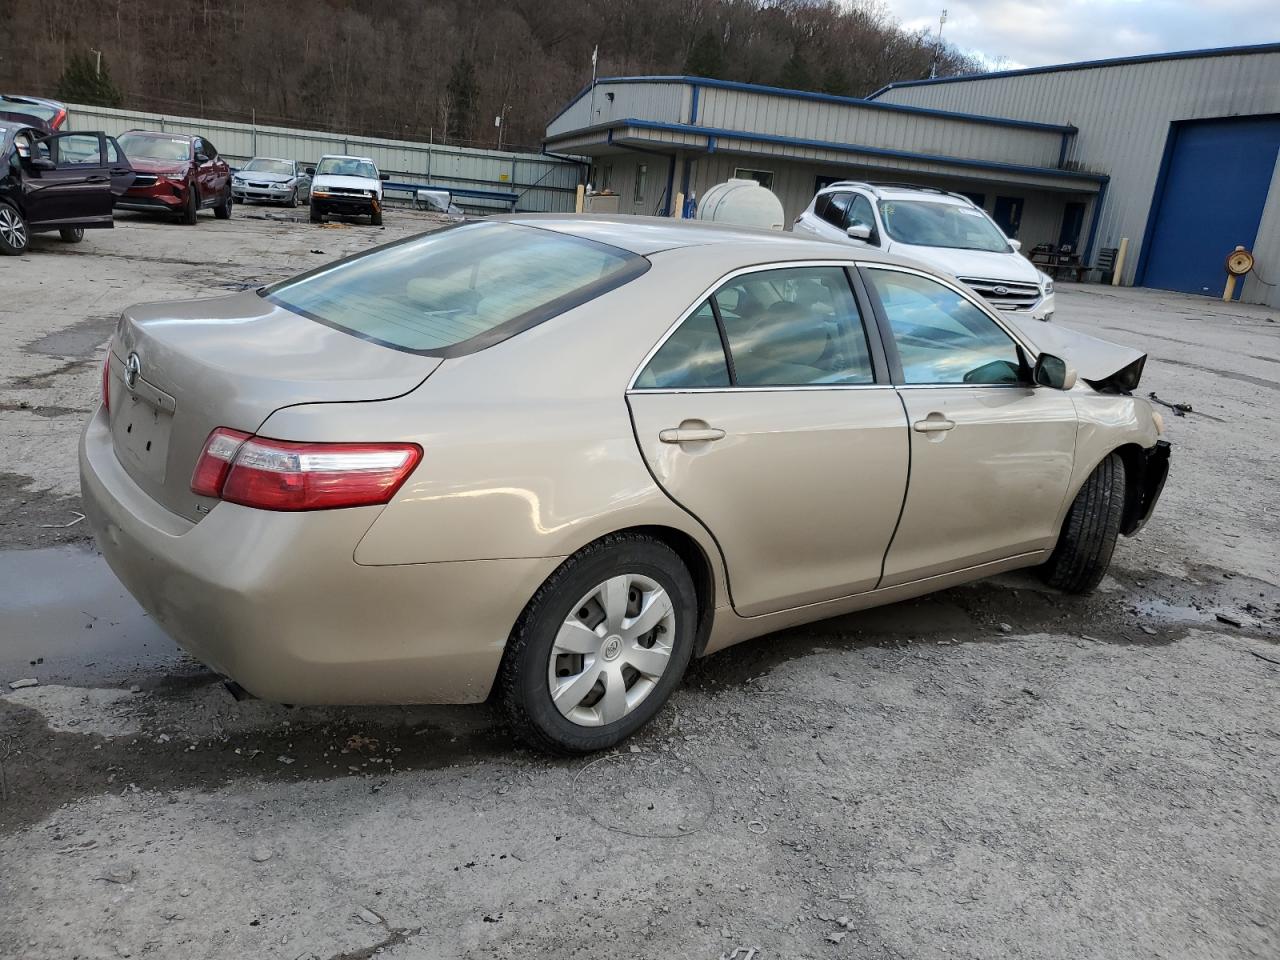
(78, 341)
(63, 604)
(1173, 612)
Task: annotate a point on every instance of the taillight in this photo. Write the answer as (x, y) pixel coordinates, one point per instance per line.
(106, 381)
(284, 475)
(56, 122)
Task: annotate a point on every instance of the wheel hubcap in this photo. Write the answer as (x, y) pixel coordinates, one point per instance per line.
(12, 228)
(611, 650)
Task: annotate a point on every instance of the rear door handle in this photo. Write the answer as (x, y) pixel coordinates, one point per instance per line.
(690, 434)
(935, 423)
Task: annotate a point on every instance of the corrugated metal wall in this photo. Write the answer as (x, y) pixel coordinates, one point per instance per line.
(544, 184)
(853, 124)
(663, 101)
(1123, 112)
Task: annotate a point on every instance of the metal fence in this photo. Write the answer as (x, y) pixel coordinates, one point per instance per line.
(481, 180)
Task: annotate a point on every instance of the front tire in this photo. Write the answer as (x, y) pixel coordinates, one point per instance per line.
(191, 209)
(14, 236)
(1088, 538)
(600, 647)
(223, 210)
(317, 215)
(71, 234)
(375, 218)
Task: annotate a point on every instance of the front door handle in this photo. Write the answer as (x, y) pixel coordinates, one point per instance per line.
(690, 434)
(934, 423)
(96, 178)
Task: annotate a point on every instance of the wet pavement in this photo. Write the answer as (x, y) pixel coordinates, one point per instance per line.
(67, 619)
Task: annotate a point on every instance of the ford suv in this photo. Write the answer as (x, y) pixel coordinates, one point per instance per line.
(947, 231)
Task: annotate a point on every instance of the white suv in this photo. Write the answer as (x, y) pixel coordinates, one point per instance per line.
(947, 231)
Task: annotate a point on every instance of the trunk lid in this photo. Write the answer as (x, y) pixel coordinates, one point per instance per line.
(230, 362)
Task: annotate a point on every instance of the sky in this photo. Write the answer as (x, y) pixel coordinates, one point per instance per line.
(1009, 34)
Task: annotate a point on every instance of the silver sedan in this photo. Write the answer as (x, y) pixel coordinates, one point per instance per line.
(271, 180)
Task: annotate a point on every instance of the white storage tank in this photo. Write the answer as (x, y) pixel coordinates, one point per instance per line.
(744, 203)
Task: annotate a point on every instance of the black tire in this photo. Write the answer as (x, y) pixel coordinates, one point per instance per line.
(293, 199)
(71, 234)
(190, 209)
(375, 218)
(522, 683)
(223, 210)
(1088, 537)
(14, 234)
(317, 215)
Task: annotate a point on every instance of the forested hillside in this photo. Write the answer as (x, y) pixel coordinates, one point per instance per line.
(438, 68)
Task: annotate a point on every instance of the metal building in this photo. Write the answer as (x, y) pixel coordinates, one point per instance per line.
(1175, 153)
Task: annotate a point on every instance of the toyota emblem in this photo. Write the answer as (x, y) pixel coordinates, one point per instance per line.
(132, 369)
(998, 291)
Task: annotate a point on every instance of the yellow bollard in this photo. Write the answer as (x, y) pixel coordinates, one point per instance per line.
(577, 205)
(677, 212)
(1229, 293)
(1119, 267)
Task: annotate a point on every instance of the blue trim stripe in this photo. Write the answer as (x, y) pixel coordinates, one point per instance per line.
(697, 82)
(1090, 65)
(714, 134)
(693, 103)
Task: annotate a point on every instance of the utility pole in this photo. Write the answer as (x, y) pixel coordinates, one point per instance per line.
(595, 54)
(937, 48)
(500, 122)
(97, 70)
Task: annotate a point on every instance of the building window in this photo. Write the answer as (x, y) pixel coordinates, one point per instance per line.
(642, 178)
(762, 177)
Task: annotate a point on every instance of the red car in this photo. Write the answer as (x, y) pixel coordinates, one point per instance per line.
(176, 174)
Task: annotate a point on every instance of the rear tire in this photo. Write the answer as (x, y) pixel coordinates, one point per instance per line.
(1088, 538)
(71, 234)
(191, 209)
(223, 210)
(14, 235)
(569, 609)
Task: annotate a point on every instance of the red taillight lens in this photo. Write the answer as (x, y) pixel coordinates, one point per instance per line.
(283, 475)
(106, 381)
(215, 461)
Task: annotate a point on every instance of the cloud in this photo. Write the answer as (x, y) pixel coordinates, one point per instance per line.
(1032, 33)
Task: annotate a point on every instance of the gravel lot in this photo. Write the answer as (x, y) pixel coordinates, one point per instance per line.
(994, 771)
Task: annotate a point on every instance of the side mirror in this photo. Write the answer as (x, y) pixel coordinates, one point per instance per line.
(202, 158)
(1051, 371)
(384, 176)
(859, 231)
(311, 171)
(43, 163)
(1016, 244)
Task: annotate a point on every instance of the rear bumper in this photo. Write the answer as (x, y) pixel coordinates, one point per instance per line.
(276, 602)
(1155, 472)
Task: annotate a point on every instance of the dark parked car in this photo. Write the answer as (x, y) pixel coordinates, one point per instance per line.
(66, 182)
(44, 115)
(177, 174)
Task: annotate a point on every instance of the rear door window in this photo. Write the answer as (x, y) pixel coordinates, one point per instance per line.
(837, 209)
(460, 289)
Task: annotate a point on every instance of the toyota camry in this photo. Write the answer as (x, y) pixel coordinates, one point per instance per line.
(546, 460)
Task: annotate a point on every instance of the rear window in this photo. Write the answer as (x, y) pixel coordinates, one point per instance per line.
(460, 289)
(44, 111)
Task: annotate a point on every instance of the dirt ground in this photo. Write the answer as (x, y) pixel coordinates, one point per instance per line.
(994, 771)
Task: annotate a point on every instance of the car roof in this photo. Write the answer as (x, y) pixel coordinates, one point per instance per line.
(898, 191)
(22, 98)
(650, 235)
(275, 159)
(160, 133)
(346, 156)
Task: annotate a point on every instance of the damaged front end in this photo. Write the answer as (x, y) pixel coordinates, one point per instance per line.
(1145, 484)
(1107, 367)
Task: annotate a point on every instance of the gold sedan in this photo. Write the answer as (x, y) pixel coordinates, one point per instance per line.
(550, 459)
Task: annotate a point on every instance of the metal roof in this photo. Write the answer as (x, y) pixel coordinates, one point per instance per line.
(1088, 65)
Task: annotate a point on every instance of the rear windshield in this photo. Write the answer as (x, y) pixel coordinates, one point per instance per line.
(149, 146)
(460, 289)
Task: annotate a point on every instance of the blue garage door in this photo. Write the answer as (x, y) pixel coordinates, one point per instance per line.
(1211, 199)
